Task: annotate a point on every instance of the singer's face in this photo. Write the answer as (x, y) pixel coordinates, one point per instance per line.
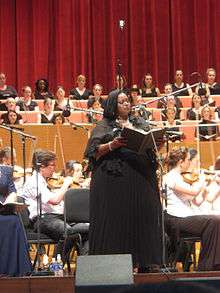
(96, 105)
(179, 75)
(148, 79)
(81, 82)
(12, 117)
(97, 91)
(168, 89)
(211, 76)
(42, 84)
(27, 92)
(48, 106)
(124, 106)
(206, 114)
(11, 105)
(60, 93)
(197, 99)
(171, 114)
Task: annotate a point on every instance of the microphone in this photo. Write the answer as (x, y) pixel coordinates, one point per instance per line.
(67, 110)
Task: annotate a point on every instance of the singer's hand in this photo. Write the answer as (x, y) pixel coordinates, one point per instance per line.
(118, 142)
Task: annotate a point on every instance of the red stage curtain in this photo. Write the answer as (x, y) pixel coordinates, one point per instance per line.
(59, 39)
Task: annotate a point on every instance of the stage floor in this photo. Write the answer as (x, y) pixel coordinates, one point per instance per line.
(66, 284)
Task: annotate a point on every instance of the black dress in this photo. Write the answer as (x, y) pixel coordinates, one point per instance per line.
(77, 96)
(125, 209)
(24, 107)
(214, 89)
(9, 92)
(191, 115)
(153, 93)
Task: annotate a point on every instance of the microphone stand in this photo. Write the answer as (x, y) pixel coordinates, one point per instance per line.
(24, 136)
(75, 125)
(163, 192)
(119, 64)
(165, 96)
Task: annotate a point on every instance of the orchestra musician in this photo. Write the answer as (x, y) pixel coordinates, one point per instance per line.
(125, 205)
(74, 170)
(52, 220)
(182, 217)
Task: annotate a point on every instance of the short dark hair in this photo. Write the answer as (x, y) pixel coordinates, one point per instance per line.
(42, 158)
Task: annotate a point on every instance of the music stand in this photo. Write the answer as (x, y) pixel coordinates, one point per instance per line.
(163, 189)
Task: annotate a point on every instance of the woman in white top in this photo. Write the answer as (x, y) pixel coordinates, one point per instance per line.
(181, 217)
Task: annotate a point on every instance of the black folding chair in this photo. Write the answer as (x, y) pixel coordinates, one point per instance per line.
(76, 214)
(32, 236)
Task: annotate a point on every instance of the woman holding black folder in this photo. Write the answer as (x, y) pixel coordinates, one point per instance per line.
(125, 209)
(14, 255)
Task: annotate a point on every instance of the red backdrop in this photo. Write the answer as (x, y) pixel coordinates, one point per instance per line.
(59, 39)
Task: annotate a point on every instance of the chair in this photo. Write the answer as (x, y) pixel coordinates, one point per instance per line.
(32, 236)
(76, 214)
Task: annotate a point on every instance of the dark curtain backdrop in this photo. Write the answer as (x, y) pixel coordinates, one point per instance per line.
(59, 39)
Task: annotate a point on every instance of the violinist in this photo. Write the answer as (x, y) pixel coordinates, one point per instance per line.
(213, 189)
(52, 220)
(181, 216)
(73, 169)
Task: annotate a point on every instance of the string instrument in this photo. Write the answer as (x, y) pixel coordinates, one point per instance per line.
(57, 182)
(190, 177)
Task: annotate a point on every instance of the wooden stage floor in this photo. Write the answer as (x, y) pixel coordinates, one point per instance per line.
(66, 284)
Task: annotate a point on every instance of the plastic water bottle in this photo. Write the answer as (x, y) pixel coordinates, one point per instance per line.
(60, 265)
(54, 267)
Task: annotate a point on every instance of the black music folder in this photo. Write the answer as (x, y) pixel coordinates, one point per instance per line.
(11, 207)
(139, 140)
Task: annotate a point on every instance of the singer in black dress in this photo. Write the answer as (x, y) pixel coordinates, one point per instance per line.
(125, 209)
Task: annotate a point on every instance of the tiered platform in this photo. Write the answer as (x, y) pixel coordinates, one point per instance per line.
(67, 284)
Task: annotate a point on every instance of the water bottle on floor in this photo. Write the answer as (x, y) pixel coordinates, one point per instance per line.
(54, 267)
(60, 266)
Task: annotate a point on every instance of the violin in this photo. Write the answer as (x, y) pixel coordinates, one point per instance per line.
(57, 182)
(190, 177)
